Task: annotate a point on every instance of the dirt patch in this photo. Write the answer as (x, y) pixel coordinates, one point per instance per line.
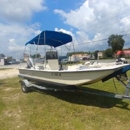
(8, 73)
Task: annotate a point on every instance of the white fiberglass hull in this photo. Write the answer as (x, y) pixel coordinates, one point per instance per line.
(66, 77)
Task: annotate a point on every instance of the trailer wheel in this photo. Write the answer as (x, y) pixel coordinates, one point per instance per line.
(24, 87)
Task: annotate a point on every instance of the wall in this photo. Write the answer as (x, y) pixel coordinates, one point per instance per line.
(1, 61)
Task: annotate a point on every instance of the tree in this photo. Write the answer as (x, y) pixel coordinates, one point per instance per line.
(108, 53)
(2, 55)
(116, 42)
(36, 56)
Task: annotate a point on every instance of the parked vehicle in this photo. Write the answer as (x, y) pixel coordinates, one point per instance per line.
(14, 62)
(85, 58)
(6, 63)
(64, 61)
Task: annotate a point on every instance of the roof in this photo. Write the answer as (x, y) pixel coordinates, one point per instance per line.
(123, 52)
(51, 38)
(119, 52)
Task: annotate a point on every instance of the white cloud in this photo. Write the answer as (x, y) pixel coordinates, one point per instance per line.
(14, 34)
(14, 37)
(69, 46)
(13, 46)
(19, 10)
(93, 20)
(97, 19)
(125, 21)
(77, 18)
(64, 31)
(11, 40)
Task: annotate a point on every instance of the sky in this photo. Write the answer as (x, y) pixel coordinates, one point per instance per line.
(89, 22)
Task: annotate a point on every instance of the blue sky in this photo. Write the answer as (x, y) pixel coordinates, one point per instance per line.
(49, 20)
(86, 21)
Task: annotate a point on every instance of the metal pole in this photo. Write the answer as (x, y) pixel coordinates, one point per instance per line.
(45, 49)
(37, 46)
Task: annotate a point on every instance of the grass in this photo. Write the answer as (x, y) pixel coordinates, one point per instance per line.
(49, 110)
(5, 69)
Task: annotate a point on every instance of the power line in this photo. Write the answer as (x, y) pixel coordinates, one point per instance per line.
(108, 35)
(97, 40)
(109, 13)
(98, 27)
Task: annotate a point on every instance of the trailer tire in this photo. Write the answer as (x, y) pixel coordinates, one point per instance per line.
(24, 87)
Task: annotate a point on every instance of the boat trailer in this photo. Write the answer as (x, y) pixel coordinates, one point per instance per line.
(120, 75)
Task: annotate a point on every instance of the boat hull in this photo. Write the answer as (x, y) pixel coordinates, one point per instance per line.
(65, 78)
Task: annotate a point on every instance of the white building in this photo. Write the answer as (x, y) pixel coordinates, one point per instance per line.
(2, 61)
(73, 58)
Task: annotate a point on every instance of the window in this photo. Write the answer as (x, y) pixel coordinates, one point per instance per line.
(51, 55)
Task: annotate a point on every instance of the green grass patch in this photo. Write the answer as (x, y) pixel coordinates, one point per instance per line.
(50, 110)
(5, 68)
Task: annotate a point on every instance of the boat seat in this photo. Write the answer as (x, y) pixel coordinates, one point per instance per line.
(31, 65)
(53, 64)
(64, 67)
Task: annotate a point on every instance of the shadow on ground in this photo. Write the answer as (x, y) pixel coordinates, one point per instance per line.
(87, 99)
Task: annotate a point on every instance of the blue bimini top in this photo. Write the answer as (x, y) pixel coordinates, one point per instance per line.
(51, 38)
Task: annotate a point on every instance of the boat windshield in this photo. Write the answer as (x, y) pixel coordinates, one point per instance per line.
(51, 55)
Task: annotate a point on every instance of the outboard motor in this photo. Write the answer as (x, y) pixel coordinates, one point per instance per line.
(121, 61)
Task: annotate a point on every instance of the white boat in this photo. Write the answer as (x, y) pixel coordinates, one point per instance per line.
(53, 73)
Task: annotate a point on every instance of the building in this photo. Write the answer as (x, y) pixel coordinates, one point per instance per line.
(124, 53)
(2, 62)
(81, 55)
(100, 54)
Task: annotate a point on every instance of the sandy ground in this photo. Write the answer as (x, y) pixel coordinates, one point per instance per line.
(8, 73)
(10, 70)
